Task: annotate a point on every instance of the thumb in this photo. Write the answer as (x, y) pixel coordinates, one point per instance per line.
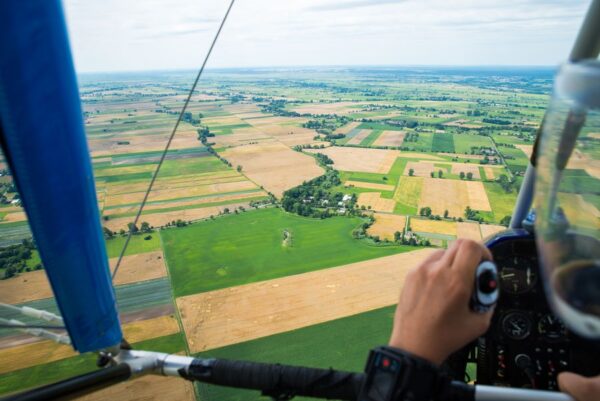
(580, 387)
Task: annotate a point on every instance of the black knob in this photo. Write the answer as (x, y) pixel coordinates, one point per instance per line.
(488, 282)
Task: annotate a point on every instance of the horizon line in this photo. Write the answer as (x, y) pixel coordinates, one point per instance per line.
(328, 66)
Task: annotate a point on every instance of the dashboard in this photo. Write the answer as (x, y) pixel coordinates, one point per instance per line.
(527, 345)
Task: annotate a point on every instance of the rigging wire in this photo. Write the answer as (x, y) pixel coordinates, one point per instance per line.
(41, 328)
(31, 326)
(164, 154)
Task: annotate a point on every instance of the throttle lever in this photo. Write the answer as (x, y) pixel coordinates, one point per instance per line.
(485, 291)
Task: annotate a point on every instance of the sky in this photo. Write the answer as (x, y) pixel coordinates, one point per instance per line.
(134, 35)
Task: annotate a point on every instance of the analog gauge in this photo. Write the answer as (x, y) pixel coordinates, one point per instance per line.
(551, 327)
(517, 275)
(516, 325)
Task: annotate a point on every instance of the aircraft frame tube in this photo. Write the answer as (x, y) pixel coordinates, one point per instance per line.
(43, 138)
(587, 45)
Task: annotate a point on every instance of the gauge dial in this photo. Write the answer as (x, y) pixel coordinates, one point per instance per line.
(516, 325)
(517, 275)
(551, 327)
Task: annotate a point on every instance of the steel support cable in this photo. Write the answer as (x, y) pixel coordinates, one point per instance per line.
(9, 324)
(164, 154)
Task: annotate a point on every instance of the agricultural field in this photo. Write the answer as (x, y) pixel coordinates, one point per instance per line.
(385, 165)
(315, 346)
(252, 246)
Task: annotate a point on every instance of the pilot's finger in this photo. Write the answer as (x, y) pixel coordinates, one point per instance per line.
(450, 254)
(434, 256)
(580, 387)
(468, 257)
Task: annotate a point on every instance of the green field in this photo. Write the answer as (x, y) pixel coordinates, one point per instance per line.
(244, 248)
(137, 244)
(464, 142)
(368, 141)
(407, 195)
(502, 203)
(423, 144)
(341, 344)
(515, 159)
(442, 143)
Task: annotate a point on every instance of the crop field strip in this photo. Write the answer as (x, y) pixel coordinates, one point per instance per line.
(273, 166)
(386, 225)
(35, 285)
(241, 313)
(390, 138)
(358, 334)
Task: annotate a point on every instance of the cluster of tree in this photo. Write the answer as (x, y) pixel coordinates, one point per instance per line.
(330, 123)
(314, 198)
(144, 228)
(13, 259)
(203, 135)
(476, 113)
(323, 159)
(189, 118)
(468, 176)
(497, 121)
(471, 214)
(440, 174)
(299, 148)
(411, 137)
(277, 107)
(178, 223)
(506, 184)
(426, 212)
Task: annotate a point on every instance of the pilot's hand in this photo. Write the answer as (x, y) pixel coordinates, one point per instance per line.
(433, 318)
(579, 387)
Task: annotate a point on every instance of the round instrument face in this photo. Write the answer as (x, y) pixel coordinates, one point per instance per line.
(516, 325)
(517, 275)
(551, 327)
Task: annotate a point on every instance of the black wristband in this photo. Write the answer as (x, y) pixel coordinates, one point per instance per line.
(396, 375)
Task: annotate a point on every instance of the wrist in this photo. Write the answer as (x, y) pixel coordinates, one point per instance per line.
(394, 374)
(429, 353)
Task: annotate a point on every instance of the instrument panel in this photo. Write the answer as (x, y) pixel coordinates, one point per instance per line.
(527, 345)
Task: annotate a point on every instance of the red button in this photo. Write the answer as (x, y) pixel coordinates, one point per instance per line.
(492, 284)
(386, 362)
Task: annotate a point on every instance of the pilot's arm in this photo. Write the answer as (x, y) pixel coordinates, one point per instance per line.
(433, 318)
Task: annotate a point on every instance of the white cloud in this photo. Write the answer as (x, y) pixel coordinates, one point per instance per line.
(115, 35)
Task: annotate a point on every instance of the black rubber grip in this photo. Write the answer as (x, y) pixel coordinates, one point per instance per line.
(76, 386)
(278, 380)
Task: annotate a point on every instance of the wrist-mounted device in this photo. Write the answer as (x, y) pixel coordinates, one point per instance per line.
(396, 375)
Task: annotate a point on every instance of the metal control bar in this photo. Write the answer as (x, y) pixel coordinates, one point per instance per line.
(300, 381)
(272, 379)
